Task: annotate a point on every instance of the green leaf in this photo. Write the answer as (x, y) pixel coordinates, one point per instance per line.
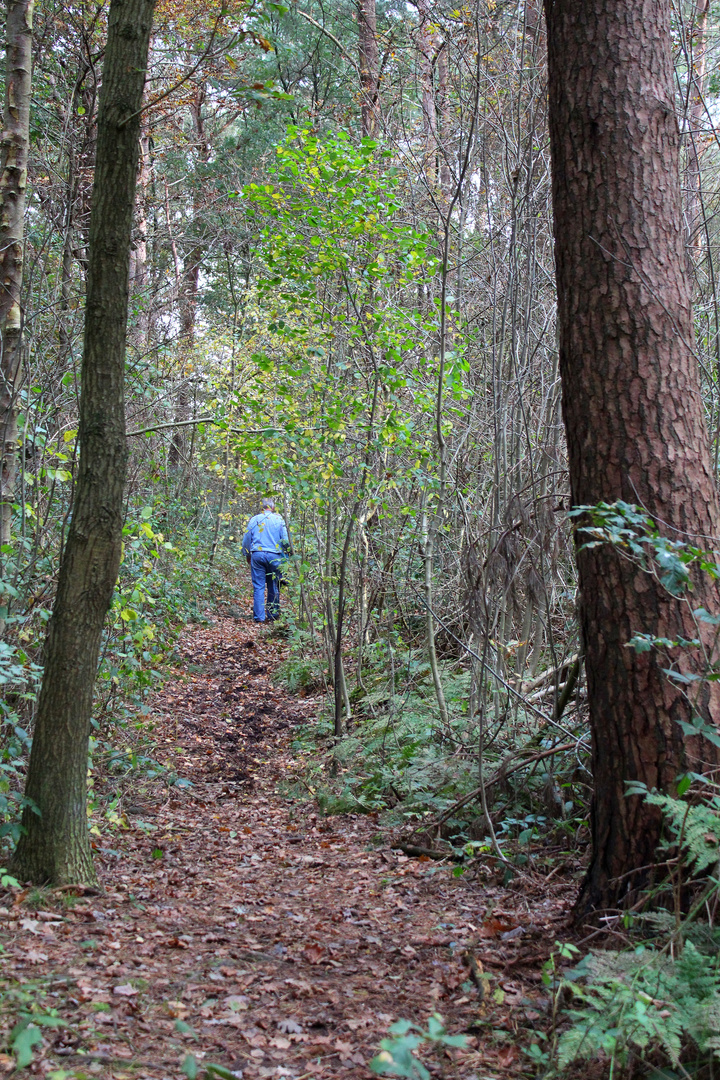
(50, 1021)
(705, 616)
(398, 1061)
(190, 1067)
(401, 1027)
(23, 1043)
(219, 1070)
(682, 677)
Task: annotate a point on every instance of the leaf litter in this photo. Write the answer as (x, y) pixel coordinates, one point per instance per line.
(240, 928)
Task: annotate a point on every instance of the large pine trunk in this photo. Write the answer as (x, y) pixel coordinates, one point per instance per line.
(631, 395)
(55, 845)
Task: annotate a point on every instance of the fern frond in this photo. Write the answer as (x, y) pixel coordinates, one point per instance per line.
(696, 827)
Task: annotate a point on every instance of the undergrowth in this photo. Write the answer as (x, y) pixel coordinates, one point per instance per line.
(652, 1009)
(395, 758)
(162, 587)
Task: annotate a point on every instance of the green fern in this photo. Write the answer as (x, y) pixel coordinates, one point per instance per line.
(641, 1002)
(696, 827)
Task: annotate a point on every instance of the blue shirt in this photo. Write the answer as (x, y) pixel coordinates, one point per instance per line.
(266, 532)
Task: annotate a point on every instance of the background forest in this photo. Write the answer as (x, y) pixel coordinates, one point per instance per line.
(296, 230)
(342, 293)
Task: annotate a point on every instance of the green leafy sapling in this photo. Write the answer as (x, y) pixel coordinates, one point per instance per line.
(397, 1055)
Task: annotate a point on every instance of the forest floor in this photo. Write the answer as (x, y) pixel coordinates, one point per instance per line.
(239, 927)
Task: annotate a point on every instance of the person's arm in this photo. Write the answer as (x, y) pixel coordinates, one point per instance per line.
(285, 540)
(247, 543)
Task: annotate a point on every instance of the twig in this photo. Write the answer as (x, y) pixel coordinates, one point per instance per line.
(499, 775)
(217, 423)
(198, 420)
(332, 37)
(111, 1059)
(84, 890)
(180, 82)
(495, 674)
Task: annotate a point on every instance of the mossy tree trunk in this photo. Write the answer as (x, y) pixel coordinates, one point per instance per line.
(55, 844)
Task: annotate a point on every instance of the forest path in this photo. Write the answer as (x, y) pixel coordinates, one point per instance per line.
(245, 929)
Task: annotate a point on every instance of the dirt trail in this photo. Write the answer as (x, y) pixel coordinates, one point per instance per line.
(246, 930)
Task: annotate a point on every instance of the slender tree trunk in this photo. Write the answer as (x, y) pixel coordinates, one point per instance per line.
(178, 455)
(426, 49)
(55, 845)
(697, 76)
(369, 74)
(179, 448)
(444, 116)
(342, 700)
(14, 144)
(66, 272)
(631, 396)
(140, 320)
(226, 457)
(341, 693)
(429, 534)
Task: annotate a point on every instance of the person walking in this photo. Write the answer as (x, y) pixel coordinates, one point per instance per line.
(266, 547)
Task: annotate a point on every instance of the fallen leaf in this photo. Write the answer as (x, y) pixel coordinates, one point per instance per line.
(511, 935)
(290, 1026)
(177, 943)
(506, 1056)
(492, 927)
(32, 925)
(126, 990)
(237, 1002)
(314, 954)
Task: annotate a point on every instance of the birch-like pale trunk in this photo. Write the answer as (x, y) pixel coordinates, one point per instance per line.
(14, 143)
(698, 78)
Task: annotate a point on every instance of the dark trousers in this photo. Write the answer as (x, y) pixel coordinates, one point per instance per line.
(266, 570)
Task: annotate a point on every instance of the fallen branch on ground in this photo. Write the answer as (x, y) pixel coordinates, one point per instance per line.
(527, 687)
(430, 853)
(501, 774)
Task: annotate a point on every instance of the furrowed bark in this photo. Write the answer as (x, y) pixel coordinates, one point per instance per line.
(631, 397)
(55, 845)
